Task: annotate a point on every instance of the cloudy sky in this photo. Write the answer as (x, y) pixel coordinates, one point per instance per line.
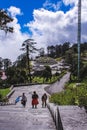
(48, 22)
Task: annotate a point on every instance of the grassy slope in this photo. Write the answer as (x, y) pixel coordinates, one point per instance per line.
(4, 92)
(73, 95)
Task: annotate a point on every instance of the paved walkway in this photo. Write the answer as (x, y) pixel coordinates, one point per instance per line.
(15, 117)
(59, 85)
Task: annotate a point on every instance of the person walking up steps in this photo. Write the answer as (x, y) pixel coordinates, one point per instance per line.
(23, 100)
(34, 100)
(44, 100)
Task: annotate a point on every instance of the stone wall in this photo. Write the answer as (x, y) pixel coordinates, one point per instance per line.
(68, 117)
(56, 115)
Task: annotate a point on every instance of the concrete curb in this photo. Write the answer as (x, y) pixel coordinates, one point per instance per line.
(6, 103)
(10, 94)
(68, 117)
(56, 115)
(7, 97)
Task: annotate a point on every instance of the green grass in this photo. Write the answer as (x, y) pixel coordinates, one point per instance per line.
(41, 80)
(4, 92)
(85, 62)
(59, 59)
(72, 95)
(53, 79)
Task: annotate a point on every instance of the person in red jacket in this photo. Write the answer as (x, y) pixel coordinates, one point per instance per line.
(34, 100)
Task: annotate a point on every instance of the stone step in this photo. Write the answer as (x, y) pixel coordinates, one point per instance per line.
(6, 103)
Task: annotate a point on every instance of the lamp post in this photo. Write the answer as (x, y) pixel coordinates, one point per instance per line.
(79, 36)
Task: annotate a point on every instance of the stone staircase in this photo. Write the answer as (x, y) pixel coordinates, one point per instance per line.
(16, 117)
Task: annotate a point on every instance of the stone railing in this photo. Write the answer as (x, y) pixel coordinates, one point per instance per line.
(68, 117)
(12, 91)
(56, 115)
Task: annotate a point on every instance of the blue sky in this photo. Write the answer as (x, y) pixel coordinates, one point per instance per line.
(27, 8)
(48, 22)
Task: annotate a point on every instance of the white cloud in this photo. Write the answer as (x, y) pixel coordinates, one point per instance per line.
(51, 28)
(70, 2)
(14, 11)
(48, 28)
(49, 5)
(10, 44)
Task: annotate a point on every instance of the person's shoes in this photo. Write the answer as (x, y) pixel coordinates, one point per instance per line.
(35, 106)
(32, 106)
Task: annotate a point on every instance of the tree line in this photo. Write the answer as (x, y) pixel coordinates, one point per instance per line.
(61, 49)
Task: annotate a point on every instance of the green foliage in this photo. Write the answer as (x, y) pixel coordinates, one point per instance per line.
(4, 20)
(16, 75)
(83, 100)
(3, 93)
(47, 74)
(71, 57)
(54, 78)
(21, 61)
(59, 59)
(3, 83)
(58, 50)
(72, 95)
(37, 79)
(28, 47)
(0, 97)
(63, 98)
(83, 71)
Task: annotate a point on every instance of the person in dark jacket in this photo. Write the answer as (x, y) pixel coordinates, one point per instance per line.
(34, 100)
(44, 100)
(23, 100)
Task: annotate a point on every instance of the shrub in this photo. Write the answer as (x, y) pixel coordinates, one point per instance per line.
(83, 100)
(72, 95)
